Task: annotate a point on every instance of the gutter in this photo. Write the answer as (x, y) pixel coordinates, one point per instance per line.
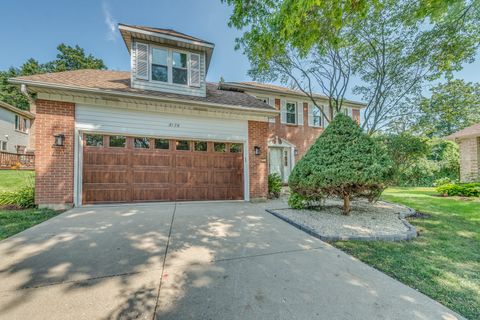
(38, 84)
(233, 85)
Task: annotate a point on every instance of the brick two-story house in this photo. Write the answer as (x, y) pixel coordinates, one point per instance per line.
(161, 132)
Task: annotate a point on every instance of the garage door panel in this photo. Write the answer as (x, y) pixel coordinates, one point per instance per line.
(201, 161)
(223, 162)
(96, 157)
(135, 175)
(152, 159)
(192, 177)
(153, 193)
(94, 195)
(100, 176)
(149, 176)
(183, 160)
(192, 193)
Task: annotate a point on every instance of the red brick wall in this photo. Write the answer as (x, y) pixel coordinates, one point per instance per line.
(54, 165)
(302, 136)
(258, 169)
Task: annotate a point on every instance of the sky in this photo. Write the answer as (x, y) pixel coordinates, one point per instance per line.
(33, 29)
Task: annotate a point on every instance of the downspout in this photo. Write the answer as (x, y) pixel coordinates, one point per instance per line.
(24, 91)
(33, 109)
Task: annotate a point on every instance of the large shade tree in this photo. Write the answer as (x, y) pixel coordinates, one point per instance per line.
(451, 107)
(392, 46)
(344, 162)
(68, 58)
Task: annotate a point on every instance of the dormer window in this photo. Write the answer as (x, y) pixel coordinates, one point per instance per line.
(162, 64)
(179, 68)
(159, 65)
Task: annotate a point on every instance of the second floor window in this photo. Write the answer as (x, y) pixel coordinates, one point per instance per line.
(316, 117)
(159, 65)
(21, 123)
(179, 68)
(291, 112)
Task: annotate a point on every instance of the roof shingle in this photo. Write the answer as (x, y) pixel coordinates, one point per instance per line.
(169, 32)
(107, 81)
(471, 131)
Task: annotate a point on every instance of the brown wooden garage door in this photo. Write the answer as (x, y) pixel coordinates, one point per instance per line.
(138, 169)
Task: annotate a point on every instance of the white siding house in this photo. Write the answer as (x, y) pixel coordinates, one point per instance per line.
(14, 129)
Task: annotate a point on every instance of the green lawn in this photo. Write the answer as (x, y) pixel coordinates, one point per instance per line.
(11, 180)
(14, 221)
(444, 261)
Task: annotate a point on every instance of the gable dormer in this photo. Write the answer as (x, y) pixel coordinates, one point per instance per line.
(166, 60)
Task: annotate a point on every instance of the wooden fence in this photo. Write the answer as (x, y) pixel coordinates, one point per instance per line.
(10, 160)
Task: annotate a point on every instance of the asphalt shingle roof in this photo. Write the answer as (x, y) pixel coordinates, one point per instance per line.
(169, 32)
(108, 81)
(467, 132)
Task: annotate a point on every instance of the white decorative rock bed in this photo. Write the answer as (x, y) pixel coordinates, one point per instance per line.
(367, 221)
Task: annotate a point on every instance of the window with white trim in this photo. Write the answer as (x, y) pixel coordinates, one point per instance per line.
(21, 124)
(17, 122)
(3, 145)
(179, 68)
(291, 112)
(159, 65)
(316, 116)
(172, 66)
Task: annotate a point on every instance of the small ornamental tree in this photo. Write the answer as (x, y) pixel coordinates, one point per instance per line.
(344, 162)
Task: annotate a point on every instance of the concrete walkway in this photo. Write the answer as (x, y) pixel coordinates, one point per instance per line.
(216, 261)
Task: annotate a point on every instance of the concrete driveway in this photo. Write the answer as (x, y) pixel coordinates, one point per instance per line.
(191, 261)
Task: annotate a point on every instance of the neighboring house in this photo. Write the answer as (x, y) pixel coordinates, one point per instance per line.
(468, 140)
(14, 129)
(161, 132)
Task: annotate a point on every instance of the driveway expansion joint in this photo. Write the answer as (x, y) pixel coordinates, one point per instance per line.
(116, 275)
(164, 261)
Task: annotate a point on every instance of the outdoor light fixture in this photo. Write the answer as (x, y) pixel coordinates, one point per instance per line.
(257, 150)
(296, 152)
(59, 140)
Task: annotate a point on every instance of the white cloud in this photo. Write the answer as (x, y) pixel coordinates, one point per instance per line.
(110, 22)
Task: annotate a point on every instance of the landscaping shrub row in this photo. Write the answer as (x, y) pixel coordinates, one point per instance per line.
(21, 198)
(461, 189)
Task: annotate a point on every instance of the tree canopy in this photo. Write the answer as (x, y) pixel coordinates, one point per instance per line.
(68, 58)
(344, 162)
(453, 105)
(392, 46)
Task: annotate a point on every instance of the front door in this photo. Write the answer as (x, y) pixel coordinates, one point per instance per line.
(279, 162)
(275, 161)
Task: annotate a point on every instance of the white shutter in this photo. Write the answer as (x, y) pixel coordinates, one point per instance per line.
(283, 111)
(141, 66)
(300, 113)
(310, 115)
(194, 70)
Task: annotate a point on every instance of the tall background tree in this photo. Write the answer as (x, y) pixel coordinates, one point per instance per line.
(68, 58)
(451, 107)
(392, 46)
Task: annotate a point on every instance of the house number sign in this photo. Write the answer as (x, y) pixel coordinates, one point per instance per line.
(174, 125)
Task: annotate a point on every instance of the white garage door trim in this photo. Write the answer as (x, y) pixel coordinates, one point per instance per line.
(107, 120)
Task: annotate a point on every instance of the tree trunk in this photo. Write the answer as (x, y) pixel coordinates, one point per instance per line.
(346, 205)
